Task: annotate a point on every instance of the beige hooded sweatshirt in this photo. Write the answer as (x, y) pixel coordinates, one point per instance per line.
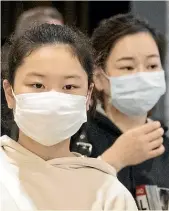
(73, 183)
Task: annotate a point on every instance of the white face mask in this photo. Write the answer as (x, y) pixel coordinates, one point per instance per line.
(50, 117)
(136, 94)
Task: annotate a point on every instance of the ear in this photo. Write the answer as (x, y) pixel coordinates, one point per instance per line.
(8, 94)
(101, 81)
(89, 95)
(97, 78)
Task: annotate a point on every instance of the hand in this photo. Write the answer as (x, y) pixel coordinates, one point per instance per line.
(136, 146)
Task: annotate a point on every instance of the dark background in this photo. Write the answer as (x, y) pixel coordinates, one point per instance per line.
(84, 14)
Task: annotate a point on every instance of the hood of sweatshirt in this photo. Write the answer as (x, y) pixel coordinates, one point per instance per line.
(20, 154)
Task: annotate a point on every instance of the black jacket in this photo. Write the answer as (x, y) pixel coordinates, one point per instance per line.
(102, 133)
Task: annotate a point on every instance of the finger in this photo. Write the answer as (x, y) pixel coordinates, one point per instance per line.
(156, 144)
(158, 133)
(149, 127)
(157, 152)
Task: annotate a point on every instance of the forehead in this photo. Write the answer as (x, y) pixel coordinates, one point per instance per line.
(52, 60)
(138, 44)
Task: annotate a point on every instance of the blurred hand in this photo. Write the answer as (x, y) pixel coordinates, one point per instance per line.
(136, 146)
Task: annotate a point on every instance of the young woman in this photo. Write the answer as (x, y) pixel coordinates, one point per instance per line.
(129, 81)
(48, 86)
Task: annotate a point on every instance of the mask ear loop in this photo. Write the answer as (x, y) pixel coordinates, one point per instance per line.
(14, 134)
(16, 100)
(13, 94)
(15, 97)
(105, 75)
(87, 97)
(88, 93)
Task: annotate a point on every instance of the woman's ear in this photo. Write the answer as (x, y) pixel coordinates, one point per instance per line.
(101, 81)
(8, 94)
(89, 95)
(97, 78)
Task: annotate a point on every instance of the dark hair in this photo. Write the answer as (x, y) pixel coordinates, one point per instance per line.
(37, 15)
(49, 34)
(111, 30)
(43, 35)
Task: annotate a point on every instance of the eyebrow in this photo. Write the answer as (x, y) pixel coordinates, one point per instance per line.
(125, 58)
(43, 76)
(72, 76)
(36, 74)
(131, 58)
(153, 55)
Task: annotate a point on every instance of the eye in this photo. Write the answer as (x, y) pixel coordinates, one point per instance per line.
(38, 86)
(128, 68)
(69, 87)
(153, 66)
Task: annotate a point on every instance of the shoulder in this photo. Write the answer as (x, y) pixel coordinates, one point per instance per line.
(101, 133)
(7, 202)
(3, 141)
(118, 197)
(114, 196)
(6, 159)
